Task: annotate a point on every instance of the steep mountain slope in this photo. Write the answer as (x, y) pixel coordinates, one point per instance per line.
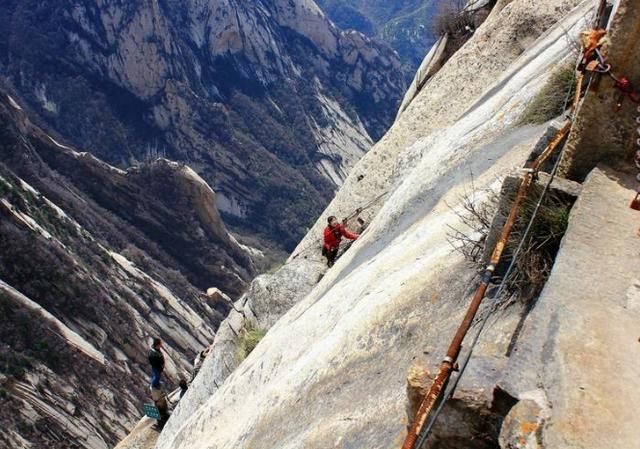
(94, 261)
(406, 25)
(331, 372)
(267, 100)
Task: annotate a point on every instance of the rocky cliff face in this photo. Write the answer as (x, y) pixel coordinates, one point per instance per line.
(331, 371)
(575, 401)
(94, 261)
(406, 25)
(267, 100)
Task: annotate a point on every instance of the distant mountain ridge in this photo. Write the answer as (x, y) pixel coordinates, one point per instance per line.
(267, 100)
(406, 25)
(94, 261)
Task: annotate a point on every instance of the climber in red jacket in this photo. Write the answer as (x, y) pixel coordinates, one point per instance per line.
(333, 234)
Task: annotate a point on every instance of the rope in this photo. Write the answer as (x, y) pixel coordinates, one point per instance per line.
(483, 322)
(367, 205)
(355, 213)
(593, 60)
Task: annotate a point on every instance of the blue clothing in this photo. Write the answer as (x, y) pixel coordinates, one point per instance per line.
(155, 378)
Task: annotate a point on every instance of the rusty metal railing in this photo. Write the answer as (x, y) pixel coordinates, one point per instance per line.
(448, 363)
(434, 394)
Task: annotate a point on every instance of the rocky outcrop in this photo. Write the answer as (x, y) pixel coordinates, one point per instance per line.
(407, 26)
(581, 331)
(267, 100)
(268, 298)
(94, 261)
(606, 130)
(496, 55)
(185, 199)
(429, 66)
(332, 371)
(523, 426)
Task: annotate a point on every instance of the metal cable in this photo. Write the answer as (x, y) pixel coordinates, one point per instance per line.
(452, 386)
(318, 242)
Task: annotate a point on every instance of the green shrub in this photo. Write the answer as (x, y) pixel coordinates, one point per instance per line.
(550, 101)
(536, 258)
(4, 188)
(542, 243)
(247, 340)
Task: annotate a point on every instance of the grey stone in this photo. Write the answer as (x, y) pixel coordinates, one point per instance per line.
(523, 426)
(579, 344)
(271, 295)
(604, 132)
(267, 299)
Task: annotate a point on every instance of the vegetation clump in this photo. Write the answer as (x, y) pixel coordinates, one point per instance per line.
(541, 244)
(454, 19)
(459, 20)
(539, 248)
(248, 338)
(551, 100)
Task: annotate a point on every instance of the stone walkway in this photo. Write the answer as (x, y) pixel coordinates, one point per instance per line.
(580, 343)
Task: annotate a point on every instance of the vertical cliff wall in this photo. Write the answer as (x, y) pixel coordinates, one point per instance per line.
(331, 372)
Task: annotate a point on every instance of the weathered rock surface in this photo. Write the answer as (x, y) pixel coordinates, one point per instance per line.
(94, 261)
(578, 344)
(142, 436)
(271, 296)
(267, 100)
(429, 66)
(332, 371)
(605, 132)
(267, 299)
(523, 426)
(495, 56)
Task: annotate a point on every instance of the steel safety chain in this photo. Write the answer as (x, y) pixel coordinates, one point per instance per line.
(594, 61)
(437, 395)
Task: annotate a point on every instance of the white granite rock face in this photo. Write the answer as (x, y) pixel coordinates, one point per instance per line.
(331, 372)
(268, 298)
(500, 51)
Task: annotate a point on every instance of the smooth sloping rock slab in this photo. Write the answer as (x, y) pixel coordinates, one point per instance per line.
(331, 372)
(580, 343)
(143, 436)
(269, 296)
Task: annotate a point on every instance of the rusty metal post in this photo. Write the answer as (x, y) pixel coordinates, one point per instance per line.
(447, 365)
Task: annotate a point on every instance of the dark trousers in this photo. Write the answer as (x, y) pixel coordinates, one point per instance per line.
(155, 377)
(331, 254)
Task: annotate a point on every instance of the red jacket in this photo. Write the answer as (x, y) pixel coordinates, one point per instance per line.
(333, 236)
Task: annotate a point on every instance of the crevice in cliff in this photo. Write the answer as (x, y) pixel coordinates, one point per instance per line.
(472, 417)
(459, 20)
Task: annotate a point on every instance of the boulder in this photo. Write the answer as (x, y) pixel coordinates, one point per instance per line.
(523, 426)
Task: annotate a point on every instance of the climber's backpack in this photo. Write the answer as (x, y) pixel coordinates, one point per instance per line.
(151, 411)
